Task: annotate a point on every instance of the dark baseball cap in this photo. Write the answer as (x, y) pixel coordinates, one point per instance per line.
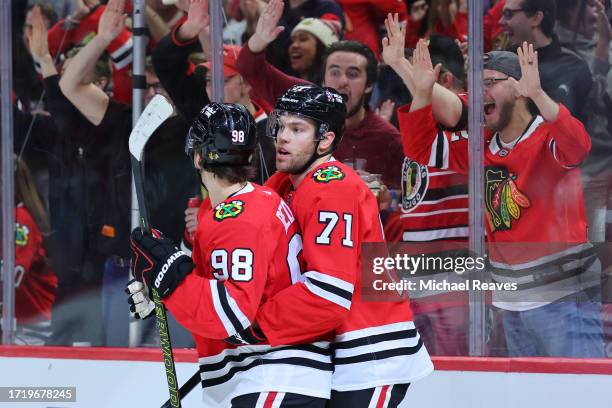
(505, 62)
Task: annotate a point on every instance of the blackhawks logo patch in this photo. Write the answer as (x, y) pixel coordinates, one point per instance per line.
(22, 234)
(415, 179)
(228, 210)
(327, 174)
(503, 200)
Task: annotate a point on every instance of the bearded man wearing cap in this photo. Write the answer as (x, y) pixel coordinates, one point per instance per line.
(536, 224)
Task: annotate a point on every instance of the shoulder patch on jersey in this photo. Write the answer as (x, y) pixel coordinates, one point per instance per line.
(327, 174)
(415, 180)
(503, 199)
(22, 234)
(228, 210)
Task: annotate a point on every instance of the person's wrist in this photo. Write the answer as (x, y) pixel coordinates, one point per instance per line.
(423, 93)
(537, 94)
(102, 40)
(188, 31)
(256, 44)
(45, 59)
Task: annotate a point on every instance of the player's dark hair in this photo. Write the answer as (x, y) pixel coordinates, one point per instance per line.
(231, 174)
(27, 193)
(548, 8)
(314, 71)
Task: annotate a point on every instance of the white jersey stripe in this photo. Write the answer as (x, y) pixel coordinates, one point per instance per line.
(378, 347)
(375, 397)
(339, 283)
(332, 297)
(372, 331)
(261, 400)
(387, 396)
(124, 62)
(278, 400)
(229, 328)
(244, 321)
(121, 50)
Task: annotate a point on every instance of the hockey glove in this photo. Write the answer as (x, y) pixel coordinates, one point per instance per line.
(138, 297)
(157, 262)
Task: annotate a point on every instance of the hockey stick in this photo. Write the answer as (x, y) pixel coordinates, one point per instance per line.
(186, 388)
(156, 112)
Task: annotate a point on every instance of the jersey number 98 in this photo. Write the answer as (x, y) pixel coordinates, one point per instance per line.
(240, 268)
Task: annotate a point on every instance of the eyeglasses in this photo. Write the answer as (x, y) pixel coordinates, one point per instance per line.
(489, 82)
(157, 87)
(507, 14)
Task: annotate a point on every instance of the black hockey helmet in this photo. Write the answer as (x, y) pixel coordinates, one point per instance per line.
(225, 133)
(324, 105)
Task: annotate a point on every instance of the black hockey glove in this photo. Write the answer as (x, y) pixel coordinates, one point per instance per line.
(250, 335)
(157, 262)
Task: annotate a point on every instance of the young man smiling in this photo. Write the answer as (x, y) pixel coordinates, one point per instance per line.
(351, 69)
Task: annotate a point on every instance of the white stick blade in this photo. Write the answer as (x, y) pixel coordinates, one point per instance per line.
(156, 112)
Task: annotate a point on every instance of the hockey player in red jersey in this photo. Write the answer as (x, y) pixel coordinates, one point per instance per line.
(245, 237)
(377, 350)
(535, 217)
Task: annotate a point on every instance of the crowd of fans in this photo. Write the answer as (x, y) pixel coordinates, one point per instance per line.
(72, 118)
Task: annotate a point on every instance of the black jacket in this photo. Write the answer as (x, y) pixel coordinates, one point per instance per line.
(188, 92)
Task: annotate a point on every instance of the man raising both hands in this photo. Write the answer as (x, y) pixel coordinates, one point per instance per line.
(533, 148)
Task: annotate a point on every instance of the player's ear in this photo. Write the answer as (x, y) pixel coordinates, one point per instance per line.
(197, 159)
(326, 142)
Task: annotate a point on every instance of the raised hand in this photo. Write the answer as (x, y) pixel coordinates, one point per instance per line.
(529, 84)
(197, 19)
(603, 24)
(37, 37)
(393, 43)
(267, 29)
(112, 21)
(423, 72)
(386, 109)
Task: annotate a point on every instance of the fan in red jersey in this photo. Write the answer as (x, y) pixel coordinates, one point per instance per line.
(377, 349)
(35, 281)
(535, 217)
(245, 250)
(433, 216)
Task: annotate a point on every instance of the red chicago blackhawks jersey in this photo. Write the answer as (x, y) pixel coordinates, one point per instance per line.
(434, 208)
(375, 342)
(245, 250)
(535, 219)
(35, 281)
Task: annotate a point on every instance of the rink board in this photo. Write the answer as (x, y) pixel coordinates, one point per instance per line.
(135, 378)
